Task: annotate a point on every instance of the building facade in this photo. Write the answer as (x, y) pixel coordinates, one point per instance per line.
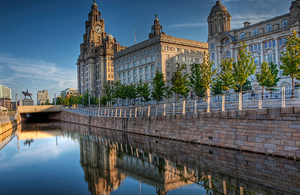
(266, 40)
(69, 91)
(94, 65)
(160, 51)
(5, 92)
(42, 97)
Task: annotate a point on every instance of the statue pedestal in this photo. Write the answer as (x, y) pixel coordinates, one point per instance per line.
(26, 102)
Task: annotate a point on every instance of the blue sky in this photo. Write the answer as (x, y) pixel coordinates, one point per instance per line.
(40, 39)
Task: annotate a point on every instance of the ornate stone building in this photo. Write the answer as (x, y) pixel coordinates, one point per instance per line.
(95, 65)
(266, 40)
(161, 51)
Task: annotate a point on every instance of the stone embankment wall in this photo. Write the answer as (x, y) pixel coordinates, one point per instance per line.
(254, 172)
(274, 131)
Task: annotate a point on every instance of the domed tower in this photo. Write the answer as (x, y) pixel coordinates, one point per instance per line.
(219, 19)
(156, 28)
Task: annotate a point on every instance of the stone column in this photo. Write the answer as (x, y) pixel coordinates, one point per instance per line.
(276, 51)
(261, 52)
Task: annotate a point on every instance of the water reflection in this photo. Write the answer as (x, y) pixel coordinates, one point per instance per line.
(108, 158)
(169, 165)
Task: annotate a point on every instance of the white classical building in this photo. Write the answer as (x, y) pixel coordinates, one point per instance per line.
(266, 40)
(160, 51)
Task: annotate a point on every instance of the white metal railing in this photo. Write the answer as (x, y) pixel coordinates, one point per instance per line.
(260, 98)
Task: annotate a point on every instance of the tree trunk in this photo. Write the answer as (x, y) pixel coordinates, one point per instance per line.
(241, 87)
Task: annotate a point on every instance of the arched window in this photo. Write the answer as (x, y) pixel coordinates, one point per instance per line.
(269, 28)
(284, 24)
(242, 36)
(254, 32)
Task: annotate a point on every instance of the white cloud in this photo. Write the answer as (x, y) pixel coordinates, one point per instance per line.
(238, 20)
(21, 74)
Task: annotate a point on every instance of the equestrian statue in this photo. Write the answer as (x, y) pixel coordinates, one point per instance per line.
(27, 94)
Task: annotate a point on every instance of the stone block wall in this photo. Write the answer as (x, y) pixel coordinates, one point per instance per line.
(273, 131)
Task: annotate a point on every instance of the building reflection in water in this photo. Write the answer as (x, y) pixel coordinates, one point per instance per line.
(106, 164)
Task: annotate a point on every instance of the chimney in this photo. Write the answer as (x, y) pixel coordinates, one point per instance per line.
(246, 24)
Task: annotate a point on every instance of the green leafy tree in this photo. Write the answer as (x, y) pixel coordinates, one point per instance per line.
(265, 78)
(196, 80)
(131, 92)
(245, 87)
(158, 87)
(145, 92)
(109, 89)
(119, 90)
(168, 93)
(244, 66)
(274, 72)
(180, 83)
(207, 72)
(291, 59)
(225, 78)
(217, 87)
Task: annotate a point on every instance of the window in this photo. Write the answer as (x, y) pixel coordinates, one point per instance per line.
(152, 59)
(212, 46)
(280, 41)
(128, 59)
(167, 56)
(266, 45)
(146, 52)
(269, 28)
(285, 40)
(146, 76)
(108, 70)
(284, 24)
(140, 54)
(177, 50)
(213, 56)
(177, 58)
(197, 60)
(228, 54)
(227, 41)
(146, 68)
(119, 68)
(128, 80)
(152, 75)
(152, 67)
(167, 48)
(270, 44)
(134, 63)
(256, 60)
(255, 47)
(191, 59)
(124, 75)
(134, 57)
(258, 46)
(128, 73)
(184, 58)
(254, 32)
(151, 50)
(124, 60)
(134, 79)
(120, 76)
(251, 48)
(124, 67)
(270, 58)
(141, 62)
(146, 60)
(141, 70)
(242, 36)
(134, 71)
(274, 43)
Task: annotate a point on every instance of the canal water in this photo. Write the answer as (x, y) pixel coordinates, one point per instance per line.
(64, 158)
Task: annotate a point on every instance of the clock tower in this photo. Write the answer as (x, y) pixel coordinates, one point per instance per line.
(95, 64)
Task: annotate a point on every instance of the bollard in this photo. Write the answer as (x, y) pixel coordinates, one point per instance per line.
(135, 112)
(174, 103)
(116, 115)
(183, 107)
(149, 110)
(120, 112)
(223, 102)
(283, 97)
(125, 113)
(164, 109)
(130, 113)
(155, 110)
(259, 99)
(240, 101)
